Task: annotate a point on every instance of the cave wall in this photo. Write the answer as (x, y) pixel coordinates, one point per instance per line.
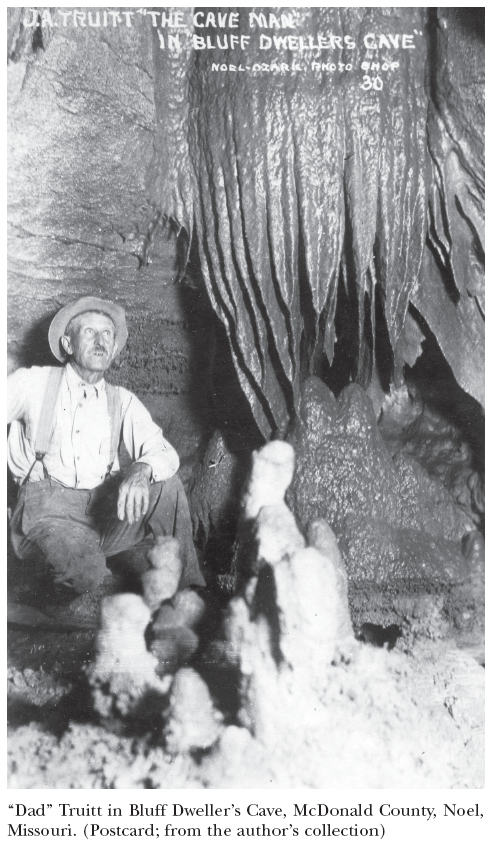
(81, 137)
(450, 292)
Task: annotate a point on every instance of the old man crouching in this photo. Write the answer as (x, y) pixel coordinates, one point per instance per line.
(75, 507)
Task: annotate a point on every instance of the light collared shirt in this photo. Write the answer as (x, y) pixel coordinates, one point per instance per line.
(79, 452)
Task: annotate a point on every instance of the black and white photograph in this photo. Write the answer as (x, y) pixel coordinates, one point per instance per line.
(245, 288)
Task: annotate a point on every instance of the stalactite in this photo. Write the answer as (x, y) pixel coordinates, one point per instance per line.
(284, 162)
(295, 180)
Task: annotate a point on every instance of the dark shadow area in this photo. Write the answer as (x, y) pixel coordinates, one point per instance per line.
(218, 389)
(54, 717)
(432, 51)
(366, 352)
(343, 369)
(440, 391)
(265, 605)
(11, 490)
(471, 18)
(447, 276)
(475, 241)
(36, 350)
(383, 351)
(379, 636)
(310, 325)
(218, 548)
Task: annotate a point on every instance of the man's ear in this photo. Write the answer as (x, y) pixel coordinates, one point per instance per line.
(115, 350)
(66, 344)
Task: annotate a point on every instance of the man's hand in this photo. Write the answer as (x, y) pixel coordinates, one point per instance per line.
(134, 493)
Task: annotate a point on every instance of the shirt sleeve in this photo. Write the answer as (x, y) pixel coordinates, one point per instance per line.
(145, 442)
(18, 388)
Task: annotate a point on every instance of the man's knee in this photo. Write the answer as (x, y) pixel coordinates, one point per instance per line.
(73, 558)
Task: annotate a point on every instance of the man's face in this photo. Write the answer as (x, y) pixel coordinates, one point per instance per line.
(91, 341)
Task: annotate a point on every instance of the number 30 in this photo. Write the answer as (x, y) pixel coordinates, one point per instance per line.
(376, 83)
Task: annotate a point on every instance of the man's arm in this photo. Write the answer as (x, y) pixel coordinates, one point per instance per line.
(18, 388)
(154, 461)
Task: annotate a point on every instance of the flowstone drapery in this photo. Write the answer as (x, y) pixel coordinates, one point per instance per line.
(301, 184)
(301, 177)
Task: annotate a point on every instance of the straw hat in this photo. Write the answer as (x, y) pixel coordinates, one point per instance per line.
(86, 304)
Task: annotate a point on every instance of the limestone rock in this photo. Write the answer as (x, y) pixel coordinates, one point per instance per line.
(271, 475)
(450, 293)
(276, 534)
(389, 517)
(161, 581)
(173, 648)
(267, 531)
(442, 428)
(173, 635)
(123, 671)
(186, 608)
(378, 552)
(321, 536)
(213, 498)
(193, 723)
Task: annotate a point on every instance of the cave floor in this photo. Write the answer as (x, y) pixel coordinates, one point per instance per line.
(385, 704)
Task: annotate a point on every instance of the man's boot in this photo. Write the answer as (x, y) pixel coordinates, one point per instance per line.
(82, 612)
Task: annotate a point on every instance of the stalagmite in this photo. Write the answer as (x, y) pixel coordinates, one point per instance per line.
(161, 581)
(271, 475)
(321, 536)
(193, 724)
(186, 608)
(293, 613)
(123, 670)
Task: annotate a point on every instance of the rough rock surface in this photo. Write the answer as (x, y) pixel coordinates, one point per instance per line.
(392, 521)
(173, 634)
(444, 433)
(321, 536)
(213, 500)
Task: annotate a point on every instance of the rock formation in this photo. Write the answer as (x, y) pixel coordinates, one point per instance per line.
(392, 521)
(161, 581)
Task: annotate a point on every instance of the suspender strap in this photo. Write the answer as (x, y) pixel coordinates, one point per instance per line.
(46, 423)
(115, 413)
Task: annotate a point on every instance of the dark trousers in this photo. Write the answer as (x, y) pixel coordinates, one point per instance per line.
(77, 529)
